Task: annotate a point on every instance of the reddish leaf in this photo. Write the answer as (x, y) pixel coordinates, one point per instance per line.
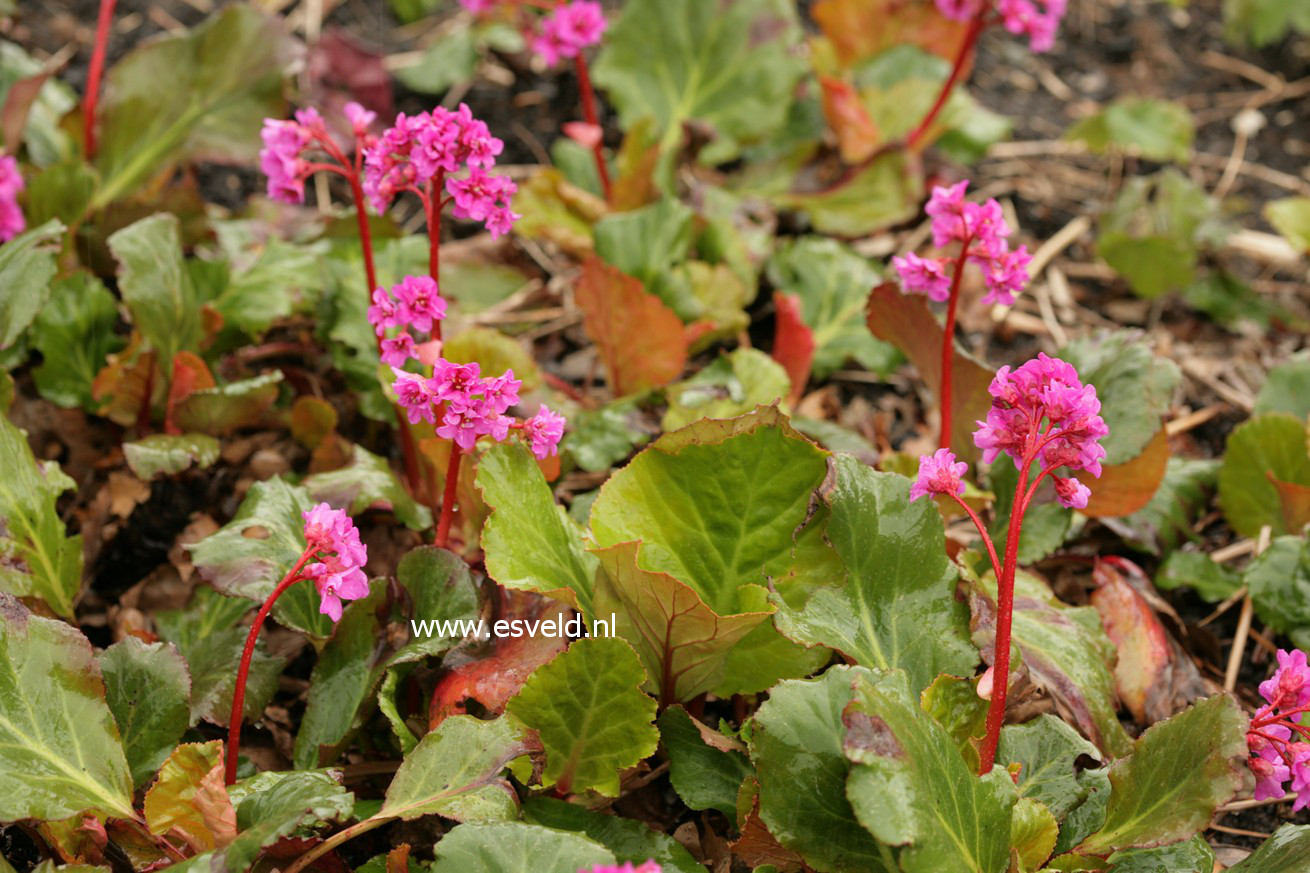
(398, 859)
(341, 70)
(860, 29)
(500, 668)
(1135, 630)
(1295, 500)
(908, 323)
(1123, 489)
(641, 341)
(793, 343)
(758, 848)
(190, 374)
(18, 103)
(858, 135)
(126, 385)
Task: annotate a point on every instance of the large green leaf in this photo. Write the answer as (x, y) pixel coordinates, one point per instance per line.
(1191, 856)
(910, 787)
(730, 66)
(1265, 448)
(37, 557)
(884, 193)
(798, 748)
(833, 283)
(731, 385)
(1179, 771)
(591, 714)
(631, 841)
(705, 767)
(59, 750)
(897, 606)
(1047, 750)
(170, 454)
(27, 264)
(514, 847)
(1198, 571)
(368, 482)
(1287, 388)
(1287, 851)
(148, 690)
(455, 772)
(1261, 22)
(291, 802)
(269, 287)
(222, 409)
(529, 540)
(1158, 130)
(251, 554)
(683, 643)
(715, 505)
(156, 285)
(1279, 582)
(197, 94)
(440, 588)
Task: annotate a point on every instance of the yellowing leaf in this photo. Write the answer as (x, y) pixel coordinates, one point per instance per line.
(190, 797)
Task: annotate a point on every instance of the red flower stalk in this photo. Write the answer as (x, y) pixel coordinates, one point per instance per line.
(94, 73)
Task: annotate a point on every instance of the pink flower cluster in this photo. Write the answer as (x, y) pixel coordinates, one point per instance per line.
(981, 230)
(1036, 19)
(470, 406)
(12, 222)
(334, 542)
(412, 152)
(939, 473)
(648, 867)
(415, 302)
(282, 159)
(567, 30)
(1042, 412)
(1274, 757)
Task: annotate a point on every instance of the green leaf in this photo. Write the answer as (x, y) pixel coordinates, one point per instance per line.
(267, 289)
(37, 557)
(647, 244)
(953, 702)
(27, 264)
(910, 787)
(156, 285)
(593, 718)
(798, 748)
(683, 643)
(451, 59)
(208, 613)
(74, 332)
(296, 800)
(1268, 446)
(763, 658)
(1287, 851)
(494, 353)
(631, 841)
(1287, 388)
(1192, 856)
(1166, 522)
(343, 686)
(730, 67)
(833, 284)
(1279, 582)
(440, 588)
(1290, 216)
(59, 749)
(514, 847)
(1195, 570)
(598, 439)
(705, 767)
(368, 482)
(732, 385)
(63, 191)
(1134, 386)
(1087, 817)
(883, 194)
(529, 540)
(1179, 771)
(202, 93)
(168, 455)
(715, 505)
(455, 772)
(896, 607)
(1261, 22)
(1158, 130)
(219, 411)
(1033, 832)
(44, 137)
(148, 690)
(253, 552)
(1047, 750)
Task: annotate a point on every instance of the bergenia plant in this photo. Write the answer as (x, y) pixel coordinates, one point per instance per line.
(981, 234)
(564, 32)
(334, 558)
(1278, 742)
(1041, 415)
(12, 222)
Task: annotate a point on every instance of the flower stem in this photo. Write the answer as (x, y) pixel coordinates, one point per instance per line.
(976, 25)
(982, 531)
(448, 500)
(593, 118)
(948, 350)
(433, 204)
(243, 672)
(94, 73)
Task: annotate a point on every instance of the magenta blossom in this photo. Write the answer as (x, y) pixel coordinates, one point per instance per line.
(924, 276)
(1036, 19)
(12, 222)
(939, 473)
(567, 30)
(544, 430)
(1276, 739)
(331, 538)
(414, 302)
(285, 160)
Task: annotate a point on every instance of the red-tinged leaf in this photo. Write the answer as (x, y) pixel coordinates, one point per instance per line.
(126, 385)
(1123, 489)
(793, 343)
(18, 103)
(858, 135)
(398, 859)
(907, 322)
(1140, 639)
(341, 70)
(1294, 498)
(758, 848)
(636, 163)
(190, 374)
(860, 29)
(499, 669)
(641, 340)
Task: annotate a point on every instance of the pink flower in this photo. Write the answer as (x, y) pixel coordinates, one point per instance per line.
(544, 431)
(416, 395)
(484, 197)
(1269, 778)
(946, 208)
(399, 349)
(958, 10)
(360, 118)
(1071, 493)
(1036, 19)
(1289, 687)
(1006, 274)
(502, 392)
(462, 424)
(280, 161)
(455, 382)
(337, 582)
(939, 473)
(648, 867)
(477, 7)
(331, 537)
(567, 30)
(383, 313)
(416, 148)
(12, 222)
(923, 276)
(419, 302)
